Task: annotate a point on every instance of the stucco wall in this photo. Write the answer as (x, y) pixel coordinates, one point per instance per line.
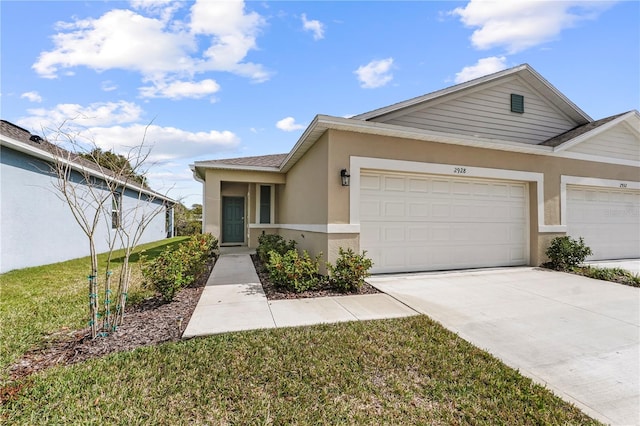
(234, 182)
(37, 227)
(304, 199)
(343, 145)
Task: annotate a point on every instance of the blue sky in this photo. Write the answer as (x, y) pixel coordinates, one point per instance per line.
(221, 79)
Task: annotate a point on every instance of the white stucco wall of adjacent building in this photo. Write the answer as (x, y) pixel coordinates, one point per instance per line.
(38, 228)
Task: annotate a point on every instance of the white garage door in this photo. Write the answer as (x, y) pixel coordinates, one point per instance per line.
(413, 222)
(607, 219)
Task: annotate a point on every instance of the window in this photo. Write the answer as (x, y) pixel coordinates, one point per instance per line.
(116, 210)
(265, 204)
(517, 103)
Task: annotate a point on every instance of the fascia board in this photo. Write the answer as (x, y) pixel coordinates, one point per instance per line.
(47, 156)
(533, 78)
(437, 94)
(544, 83)
(235, 167)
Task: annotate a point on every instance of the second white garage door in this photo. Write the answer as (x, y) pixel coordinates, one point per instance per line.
(607, 219)
(412, 222)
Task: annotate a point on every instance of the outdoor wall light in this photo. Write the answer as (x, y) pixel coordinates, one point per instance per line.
(344, 175)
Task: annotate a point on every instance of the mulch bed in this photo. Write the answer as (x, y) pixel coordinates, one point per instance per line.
(149, 323)
(275, 293)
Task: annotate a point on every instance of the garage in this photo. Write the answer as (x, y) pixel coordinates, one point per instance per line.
(608, 220)
(415, 222)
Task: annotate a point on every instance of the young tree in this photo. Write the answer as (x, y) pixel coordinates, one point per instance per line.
(96, 191)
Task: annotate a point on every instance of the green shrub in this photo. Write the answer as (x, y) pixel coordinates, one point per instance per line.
(617, 275)
(565, 253)
(175, 269)
(350, 270)
(273, 242)
(294, 272)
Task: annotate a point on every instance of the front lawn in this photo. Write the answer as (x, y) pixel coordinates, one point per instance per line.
(402, 371)
(35, 302)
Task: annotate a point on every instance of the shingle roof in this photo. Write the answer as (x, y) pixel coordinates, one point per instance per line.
(273, 160)
(577, 131)
(22, 135)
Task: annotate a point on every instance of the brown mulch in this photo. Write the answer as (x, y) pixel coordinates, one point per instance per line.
(275, 293)
(149, 323)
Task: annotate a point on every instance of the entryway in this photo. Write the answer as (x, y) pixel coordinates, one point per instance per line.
(232, 220)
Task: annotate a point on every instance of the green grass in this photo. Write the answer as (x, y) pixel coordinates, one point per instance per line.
(617, 275)
(35, 302)
(402, 371)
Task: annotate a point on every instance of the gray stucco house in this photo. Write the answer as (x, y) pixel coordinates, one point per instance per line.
(36, 226)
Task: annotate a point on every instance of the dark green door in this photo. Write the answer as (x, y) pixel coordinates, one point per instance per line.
(233, 219)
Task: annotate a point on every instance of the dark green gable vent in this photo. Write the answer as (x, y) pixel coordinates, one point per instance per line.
(517, 103)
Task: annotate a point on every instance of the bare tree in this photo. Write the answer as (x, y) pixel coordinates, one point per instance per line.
(115, 196)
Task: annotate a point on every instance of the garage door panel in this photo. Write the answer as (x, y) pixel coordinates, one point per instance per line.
(431, 222)
(608, 219)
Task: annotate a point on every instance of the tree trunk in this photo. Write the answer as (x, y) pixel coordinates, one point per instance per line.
(93, 291)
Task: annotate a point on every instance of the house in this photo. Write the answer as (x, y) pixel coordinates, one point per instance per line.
(37, 226)
(484, 173)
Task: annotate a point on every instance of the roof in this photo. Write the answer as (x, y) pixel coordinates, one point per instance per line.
(273, 160)
(21, 139)
(524, 71)
(580, 130)
(365, 123)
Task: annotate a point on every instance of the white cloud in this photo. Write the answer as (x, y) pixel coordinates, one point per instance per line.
(181, 89)
(32, 96)
(108, 86)
(167, 143)
(78, 116)
(519, 25)
(375, 73)
(483, 67)
(315, 26)
(289, 124)
(161, 49)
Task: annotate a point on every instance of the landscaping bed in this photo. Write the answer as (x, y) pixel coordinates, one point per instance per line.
(324, 290)
(149, 323)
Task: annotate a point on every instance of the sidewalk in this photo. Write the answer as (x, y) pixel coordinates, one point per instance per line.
(233, 300)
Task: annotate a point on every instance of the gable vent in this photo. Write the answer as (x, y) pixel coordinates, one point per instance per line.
(517, 103)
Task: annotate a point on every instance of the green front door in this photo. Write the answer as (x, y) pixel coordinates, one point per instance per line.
(233, 219)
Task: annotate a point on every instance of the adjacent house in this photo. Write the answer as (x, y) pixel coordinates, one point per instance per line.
(480, 174)
(37, 227)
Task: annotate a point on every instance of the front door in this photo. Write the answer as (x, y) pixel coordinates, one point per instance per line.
(233, 219)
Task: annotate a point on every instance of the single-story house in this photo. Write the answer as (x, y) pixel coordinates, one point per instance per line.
(37, 226)
(484, 173)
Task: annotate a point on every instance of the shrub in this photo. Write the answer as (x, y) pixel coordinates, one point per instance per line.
(175, 269)
(273, 242)
(565, 253)
(293, 272)
(350, 270)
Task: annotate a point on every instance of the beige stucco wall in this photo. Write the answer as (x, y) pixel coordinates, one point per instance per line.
(219, 183)
(304, 199)
(311, 192)
(343, 145)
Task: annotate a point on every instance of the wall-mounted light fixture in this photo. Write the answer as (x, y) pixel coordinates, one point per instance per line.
(344, 175)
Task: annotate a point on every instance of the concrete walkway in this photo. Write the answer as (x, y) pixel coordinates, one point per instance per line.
(233, 300)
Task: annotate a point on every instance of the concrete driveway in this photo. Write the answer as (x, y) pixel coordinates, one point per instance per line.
(579, 337)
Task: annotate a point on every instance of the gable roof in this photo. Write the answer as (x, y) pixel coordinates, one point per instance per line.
(524, 71)
(19, 139)
(366, 123)
(601, 125)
